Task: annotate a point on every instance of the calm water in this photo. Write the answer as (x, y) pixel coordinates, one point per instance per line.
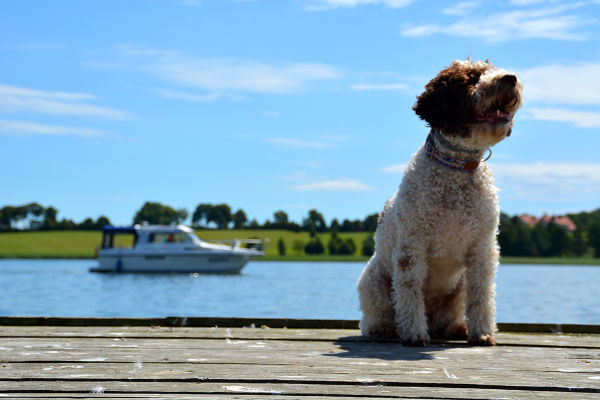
(556, 294)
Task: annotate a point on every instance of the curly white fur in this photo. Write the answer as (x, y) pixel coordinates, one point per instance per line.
(435, 246)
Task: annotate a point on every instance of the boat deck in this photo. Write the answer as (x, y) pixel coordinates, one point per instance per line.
(283, 359)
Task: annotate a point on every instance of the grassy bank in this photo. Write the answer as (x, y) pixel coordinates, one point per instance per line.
(83, 244)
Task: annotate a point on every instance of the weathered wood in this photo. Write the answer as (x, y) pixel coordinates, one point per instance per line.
(289, 323)
(347, 335)
(149, 362)
(260, 390)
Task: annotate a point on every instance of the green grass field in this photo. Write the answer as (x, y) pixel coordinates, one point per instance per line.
(83, 244)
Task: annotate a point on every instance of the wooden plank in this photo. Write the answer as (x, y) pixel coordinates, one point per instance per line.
(255, 390)
(141, 362)
(538, 340)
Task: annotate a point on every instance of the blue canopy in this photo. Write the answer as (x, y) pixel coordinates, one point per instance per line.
(118, 229)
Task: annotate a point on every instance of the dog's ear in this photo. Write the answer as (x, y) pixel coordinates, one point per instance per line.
(447, 101)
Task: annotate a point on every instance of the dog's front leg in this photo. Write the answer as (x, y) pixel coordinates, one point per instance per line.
(482, 263)
(410, 272)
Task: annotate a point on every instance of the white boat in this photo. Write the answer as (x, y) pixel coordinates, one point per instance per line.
(162, 248)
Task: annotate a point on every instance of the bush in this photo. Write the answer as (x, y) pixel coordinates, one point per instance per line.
(314, 247)
(368, 246)
(281, 247)
(347, 247)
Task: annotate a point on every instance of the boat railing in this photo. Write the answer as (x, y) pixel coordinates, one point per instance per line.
(257, 244)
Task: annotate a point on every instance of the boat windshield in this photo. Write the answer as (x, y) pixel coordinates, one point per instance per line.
(170, 237)
(192, 237)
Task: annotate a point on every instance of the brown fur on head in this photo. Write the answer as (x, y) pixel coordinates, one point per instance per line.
(471, 98)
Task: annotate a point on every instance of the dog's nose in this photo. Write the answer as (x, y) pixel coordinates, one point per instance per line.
(509, 80)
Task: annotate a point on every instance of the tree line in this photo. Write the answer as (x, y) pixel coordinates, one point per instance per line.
(515, 237)
(34, 217)
(550, 239)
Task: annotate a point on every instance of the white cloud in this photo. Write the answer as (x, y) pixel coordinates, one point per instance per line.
(197, 98)
(320, 5)
(462, 8)
(582, 119)
(562, 84)
(19, 99)
(542, 181)
(554, 181)
(23, 128)
(380, 87)
(290, 142)
(540, 23)
(394, 169)
(563, 93)
(228, 75)
(335, 185)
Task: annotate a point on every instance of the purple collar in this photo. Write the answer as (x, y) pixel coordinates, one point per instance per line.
(468, 165)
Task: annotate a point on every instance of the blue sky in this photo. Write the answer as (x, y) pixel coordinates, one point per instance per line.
(290, 105)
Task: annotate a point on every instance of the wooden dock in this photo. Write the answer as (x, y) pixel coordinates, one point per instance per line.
(211, 358)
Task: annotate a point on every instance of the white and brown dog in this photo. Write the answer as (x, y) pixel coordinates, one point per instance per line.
(436, 252)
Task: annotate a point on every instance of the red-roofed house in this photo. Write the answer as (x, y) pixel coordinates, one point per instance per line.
(561, 220)
(530, 220)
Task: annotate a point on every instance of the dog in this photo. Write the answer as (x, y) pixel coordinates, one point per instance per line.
(436, 253)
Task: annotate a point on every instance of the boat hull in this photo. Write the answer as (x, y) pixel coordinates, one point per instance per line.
(186, 263)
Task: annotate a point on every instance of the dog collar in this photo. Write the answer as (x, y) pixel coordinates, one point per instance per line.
(468, 165)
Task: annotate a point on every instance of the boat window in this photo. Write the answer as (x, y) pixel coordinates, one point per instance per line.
(124, 241)
(176, 237)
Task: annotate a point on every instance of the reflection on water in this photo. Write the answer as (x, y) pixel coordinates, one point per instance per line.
(553, 294)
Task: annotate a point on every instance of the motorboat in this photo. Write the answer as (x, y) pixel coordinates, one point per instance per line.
(170, 248)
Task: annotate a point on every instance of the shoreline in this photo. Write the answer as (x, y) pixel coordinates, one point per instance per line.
(50, 245)
(321, 259)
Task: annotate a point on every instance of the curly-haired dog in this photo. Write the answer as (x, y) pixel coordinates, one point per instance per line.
(435, 246)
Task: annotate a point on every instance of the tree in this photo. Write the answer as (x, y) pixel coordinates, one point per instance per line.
(541, 239)
(347, 247)
(49, 221)
(156, 214)
(507, 236)
(201, 214)
(594, 238)
(334, 244)
(352, 226)
(87, 225)
(102, 221)
(281, 247)
(220, 215)
(335, 225)
(239, 219)
(281, 218)
(315, 219)
(579, 246)
(370, 222)
(314, 247)
(368, 246)
(559, 241)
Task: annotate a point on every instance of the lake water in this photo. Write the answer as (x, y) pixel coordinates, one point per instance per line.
(546, 294)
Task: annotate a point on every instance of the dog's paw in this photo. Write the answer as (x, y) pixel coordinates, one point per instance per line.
(382, 331)
(422, 340)
(457, 332)
(483, 340)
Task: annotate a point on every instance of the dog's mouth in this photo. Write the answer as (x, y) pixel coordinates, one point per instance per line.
(505, 103)
(494, 116)
(500, 111)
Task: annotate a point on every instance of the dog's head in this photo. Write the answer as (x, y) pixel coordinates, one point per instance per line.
(472, 101)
